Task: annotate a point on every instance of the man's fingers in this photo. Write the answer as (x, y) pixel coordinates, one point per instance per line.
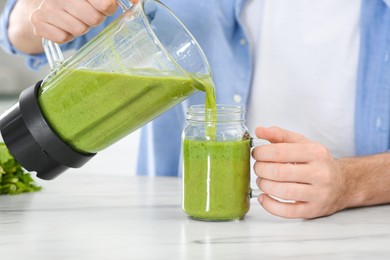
(288, 191)
(290, 152)
(283, 209)
(57, 25)
(284, 172)
(279, 135)
(107, 7)
(85, 12)
(50, 32)
(68, 23)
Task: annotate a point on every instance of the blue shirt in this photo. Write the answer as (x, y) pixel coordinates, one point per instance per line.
(222, 37)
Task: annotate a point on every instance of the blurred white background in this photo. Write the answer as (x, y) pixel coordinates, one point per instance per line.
(120, 158)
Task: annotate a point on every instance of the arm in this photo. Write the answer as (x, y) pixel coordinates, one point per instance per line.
(368, 179)
(294, 168)
(20, 30)
(57, 20)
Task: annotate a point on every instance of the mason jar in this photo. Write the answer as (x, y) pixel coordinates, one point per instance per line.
(216, 163)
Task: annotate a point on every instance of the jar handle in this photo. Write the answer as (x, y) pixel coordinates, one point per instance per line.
(255, 193)
(257, 142)
(53, 51)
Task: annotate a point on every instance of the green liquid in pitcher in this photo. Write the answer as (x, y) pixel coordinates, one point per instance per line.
(216, 179)
(91, 110)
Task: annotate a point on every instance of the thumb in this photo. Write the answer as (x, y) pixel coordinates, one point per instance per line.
(279, 135)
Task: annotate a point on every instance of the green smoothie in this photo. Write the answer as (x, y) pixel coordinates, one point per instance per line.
(91, 110)
(216, 179)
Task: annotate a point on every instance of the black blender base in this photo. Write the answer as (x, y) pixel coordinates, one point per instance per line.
(33, 143)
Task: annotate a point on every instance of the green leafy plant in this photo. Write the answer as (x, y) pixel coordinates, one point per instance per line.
(13, 178)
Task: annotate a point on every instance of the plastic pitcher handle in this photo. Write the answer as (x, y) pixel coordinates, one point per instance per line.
(53, 51)
(126, 4)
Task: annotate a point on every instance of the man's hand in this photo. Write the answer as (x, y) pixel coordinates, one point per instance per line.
(62, 21)
(56, 20)
(295, 169)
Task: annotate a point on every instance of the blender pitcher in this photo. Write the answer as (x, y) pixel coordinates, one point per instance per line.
(139, 66)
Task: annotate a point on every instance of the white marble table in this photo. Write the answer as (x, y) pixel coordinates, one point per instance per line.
(81, 216)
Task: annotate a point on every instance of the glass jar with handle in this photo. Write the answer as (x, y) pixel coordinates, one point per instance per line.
(216, 163)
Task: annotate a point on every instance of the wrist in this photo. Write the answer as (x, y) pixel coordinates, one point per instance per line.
(354, 195)
(366, 180)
